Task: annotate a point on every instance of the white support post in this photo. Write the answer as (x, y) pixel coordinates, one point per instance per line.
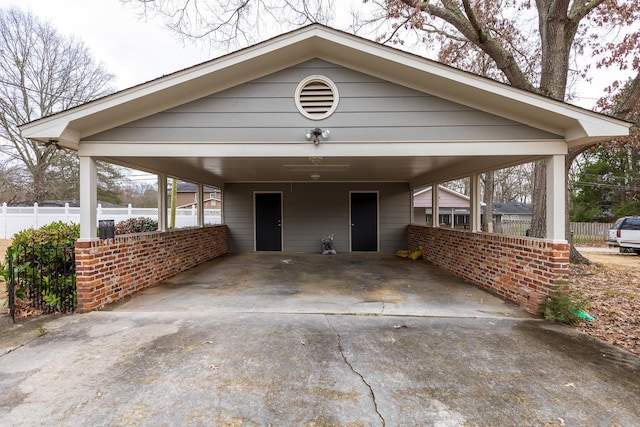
(162, 202)
(221, 206)
(88, 199)
(35, 215)
(435, 205)
(556, 198)
(411, 207)
(200, 204)
(4, 220)
(475, 207)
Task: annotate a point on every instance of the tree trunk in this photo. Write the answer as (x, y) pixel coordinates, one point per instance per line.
(174, 196)
(575, 257)
(539, 215)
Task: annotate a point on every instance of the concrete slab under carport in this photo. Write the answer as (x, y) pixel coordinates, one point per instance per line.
(347, 283)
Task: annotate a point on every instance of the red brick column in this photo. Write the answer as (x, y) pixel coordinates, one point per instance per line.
(110, 269)
(521, 269)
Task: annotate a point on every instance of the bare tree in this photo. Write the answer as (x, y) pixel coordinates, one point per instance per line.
(12, 182)
(41, 73)
(514, 184)
(234, 23)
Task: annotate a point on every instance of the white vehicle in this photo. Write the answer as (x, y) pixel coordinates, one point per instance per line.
(625, 234)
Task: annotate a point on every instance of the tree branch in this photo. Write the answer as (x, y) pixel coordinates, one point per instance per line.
(504, 60)
(630, 99)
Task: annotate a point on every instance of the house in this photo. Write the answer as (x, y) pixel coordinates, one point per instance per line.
(319, 132)
(187, 196)
(512, 211)
(455, 209)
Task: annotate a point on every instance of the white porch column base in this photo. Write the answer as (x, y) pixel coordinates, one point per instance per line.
(162, 202)
(556, 198)
(474, 201)
(88, 199)
(435, 205)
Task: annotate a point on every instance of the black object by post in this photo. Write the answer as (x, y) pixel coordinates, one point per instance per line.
(106, 228)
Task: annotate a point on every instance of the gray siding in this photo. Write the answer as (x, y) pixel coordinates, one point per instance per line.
(370, 109)
(314, 210)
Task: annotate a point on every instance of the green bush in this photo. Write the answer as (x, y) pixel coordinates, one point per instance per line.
(564, 307)
(136, 225)
(54, 234)
(43, 267)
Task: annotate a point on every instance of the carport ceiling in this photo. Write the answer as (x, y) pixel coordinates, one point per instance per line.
(216, 170)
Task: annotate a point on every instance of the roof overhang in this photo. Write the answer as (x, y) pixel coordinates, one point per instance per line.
(577, 125)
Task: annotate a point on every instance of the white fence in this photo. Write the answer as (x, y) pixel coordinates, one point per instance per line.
(582, 232)
(16, 219)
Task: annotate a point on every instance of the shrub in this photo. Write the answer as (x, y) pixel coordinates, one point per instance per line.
(136, 225)
(43, 268)
(569, 308)
(54, 234)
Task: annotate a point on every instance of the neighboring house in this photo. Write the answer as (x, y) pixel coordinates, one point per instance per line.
(455, 209)
(512, 211)
(319, 132)
(188, 196)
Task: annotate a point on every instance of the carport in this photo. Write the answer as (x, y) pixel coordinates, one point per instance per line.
(320, 132)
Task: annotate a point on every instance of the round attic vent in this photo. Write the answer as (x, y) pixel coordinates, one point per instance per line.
(316, 97)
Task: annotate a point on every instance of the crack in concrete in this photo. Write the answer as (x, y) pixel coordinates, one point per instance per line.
(371, 393)
(382, 311)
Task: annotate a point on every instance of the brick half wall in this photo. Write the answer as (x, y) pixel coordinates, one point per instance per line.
(110, 269)
(523, 270)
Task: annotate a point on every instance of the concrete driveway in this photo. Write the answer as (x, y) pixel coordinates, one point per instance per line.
(281, 339)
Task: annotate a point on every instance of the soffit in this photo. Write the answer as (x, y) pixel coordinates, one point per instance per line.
(415, 170)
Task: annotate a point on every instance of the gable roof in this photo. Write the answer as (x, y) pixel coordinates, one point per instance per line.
(578, 126)
(190, 187)
(448, 198)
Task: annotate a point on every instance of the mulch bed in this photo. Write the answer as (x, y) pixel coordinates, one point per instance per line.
(615, 304)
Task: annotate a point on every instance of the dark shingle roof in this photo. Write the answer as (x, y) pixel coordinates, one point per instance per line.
(512, 208)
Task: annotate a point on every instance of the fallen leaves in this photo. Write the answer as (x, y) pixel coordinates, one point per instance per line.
(614, 293)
